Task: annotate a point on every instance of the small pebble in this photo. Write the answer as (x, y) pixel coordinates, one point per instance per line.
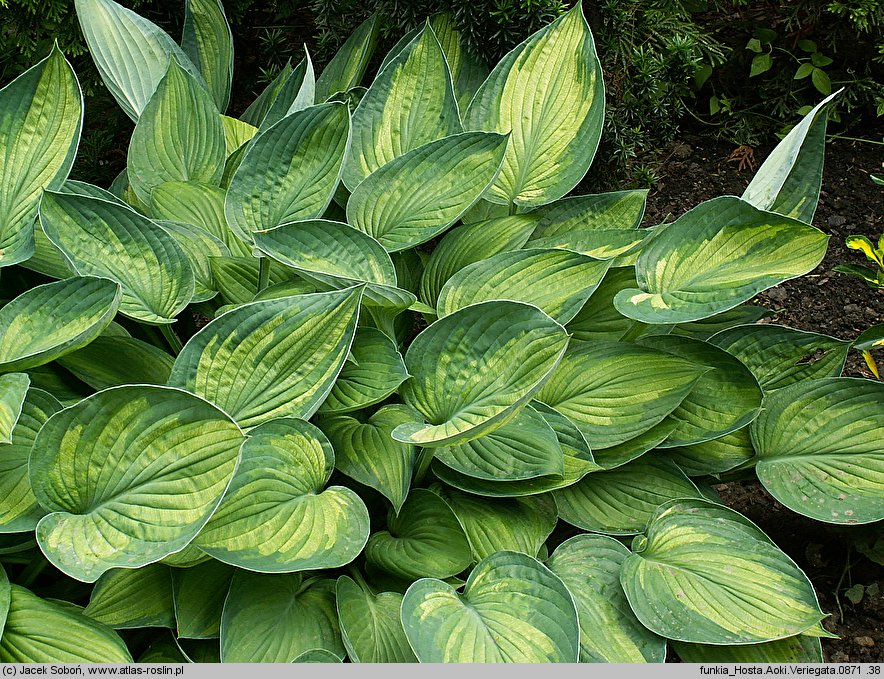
(837, 220)
(851, 308)
(777, 295)
(865, 642)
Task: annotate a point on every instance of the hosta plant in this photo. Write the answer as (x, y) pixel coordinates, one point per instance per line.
(352, 375)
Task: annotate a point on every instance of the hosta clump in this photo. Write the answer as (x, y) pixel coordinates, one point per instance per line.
(439, 410)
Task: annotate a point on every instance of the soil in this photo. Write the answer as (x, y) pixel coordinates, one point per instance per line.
(697, 168)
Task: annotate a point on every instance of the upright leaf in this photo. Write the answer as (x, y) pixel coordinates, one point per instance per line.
(347, 67)
(13, 389)
(5, 598)
(208, 42)
(370, 624)
(467, 72)
(296, 93)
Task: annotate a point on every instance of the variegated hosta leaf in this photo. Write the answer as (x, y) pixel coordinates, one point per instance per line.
(788, 182)
(370, 624)
(237, 280)
(270, 359)
(797, 649)
(617, 456)
(347, 67)
(376, 372)
(278, 516)
(125, 599)
(200, 247)
(419, 194)
(474, 369)
(129, 475)
(115, 361)
(513, 609)
(365, 451)
(198, 205)
(5, 598)
(410, 103)
(724, 399)
(276, 618)
(13, 389)
(467, 72)
(208, 42)
(549, 91)
(620, 501)
(598, 319)
(130, 52)
(54, 319)
(41, 631)
(601, 225)
(707, 327)
(705, 574)
(105, 239)
(819, 449)
(290, 170)
(718, 255)
(471, 243)
(200, 592)
(296, 94)
(318, 655)
(615, 392)
(236, 134)
(423, 540)
(41, 115)
(779, 356)
(589, 565)
(715, 456)
(524, 448)
(19, 510)
(179, 136)
(515, 525)
(556, 281)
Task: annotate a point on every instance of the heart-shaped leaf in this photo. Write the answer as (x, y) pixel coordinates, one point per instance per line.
(513, 609)
(497, 355)
(125, 599)
(278, 516)
(200, 592)
(819, 449)
(705, 574)
(370, 624)
(208, 42)
(549, 91)
(129, 476)
(291, 350)
(423, 540)
(276, 618)
(417, 195)
(41, 115)
(346, 68)
(105, 239)
(714, 257)
(589, 565)
(13, 388)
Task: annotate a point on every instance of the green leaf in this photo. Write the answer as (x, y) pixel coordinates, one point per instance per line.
(40, 631)
(598, 319)
(549, 91)
(614, 392)
(115, 361)
(524, 448)
(788, 182)
(514, 525)
(377, 371)
(200, 247)
(19, 510)
(367, 453)
(620, 501)
(819, 449)
(200, 592)
(419, 194)
(236, 134)
(208, 42)
(467, 72)
(556, 281)
(714, 257)
(179, 136)
(41, 116)
(346, 68)
(726, 398)
(237, 280)
(54, 319)
(410, 103)
(425, 539)
(256, 112)
(779, 356)
(270, 359)
(13, 389)
(105, 239)
(797, 649)
(296, 94)
(513, 609)
(715, 456)
(290, 170)
(707, 327)
(131, 53)
(589, 565)
(761, 63)
(370, 625)
(125, 599)
(5, 598)
(821, 81)
(318, 655)
(496, 356)
(129, 475)
(276, 618)
(278, 516)
(705, 574)
(803, 71)
(616, 456)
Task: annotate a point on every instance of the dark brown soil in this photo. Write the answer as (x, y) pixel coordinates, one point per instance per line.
(697, 169)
